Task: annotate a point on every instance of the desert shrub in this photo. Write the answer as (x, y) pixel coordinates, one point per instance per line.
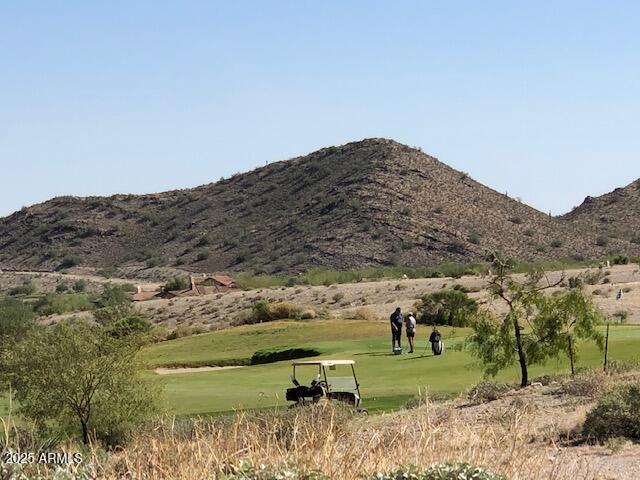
(592, 278)
(456, 247)
(127, 287)
(361, 313)
(446, 307)
(107, 272)
(68, 261)
(556, 243)
(308, 314)
(61, 288)
(158, 333)
(291, 281)
(58, 303)
(203, 255)
(548, 378)
(619, 366)
(620, 260)
(180, 331)
(487, 391)
(176, 283)
(243, 256)
(278, 354)
(337, 297)
(615, 444)
(80, 286)
(588, 383)
(617, 414)
(265, 311)
(131, 325)
(575, 282)
(282, 310)
(246, 471)
(186, 331)
(602, 241)
(153, 262)
(515, 220)
(474, 238)
(27, 288)
(203, 241)
(460, 288)
(440, 471)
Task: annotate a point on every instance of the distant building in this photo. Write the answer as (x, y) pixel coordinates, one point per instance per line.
(141, 295)
(203, 284)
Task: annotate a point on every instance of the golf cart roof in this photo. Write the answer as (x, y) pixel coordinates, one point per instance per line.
(324, 363)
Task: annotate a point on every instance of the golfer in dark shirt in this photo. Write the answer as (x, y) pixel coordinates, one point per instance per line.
(396, 328)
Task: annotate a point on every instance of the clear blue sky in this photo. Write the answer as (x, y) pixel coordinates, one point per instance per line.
(540, 99)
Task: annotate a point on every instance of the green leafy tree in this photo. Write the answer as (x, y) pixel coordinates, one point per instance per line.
(447, 307)
(113, 304)
(536, 326)
(16, 320)
(78, 378)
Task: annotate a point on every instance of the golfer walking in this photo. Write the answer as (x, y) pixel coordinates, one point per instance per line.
(396, 329)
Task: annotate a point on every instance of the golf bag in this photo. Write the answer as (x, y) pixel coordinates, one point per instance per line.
(437, 347)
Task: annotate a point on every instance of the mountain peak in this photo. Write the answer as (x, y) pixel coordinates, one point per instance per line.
(365, 203)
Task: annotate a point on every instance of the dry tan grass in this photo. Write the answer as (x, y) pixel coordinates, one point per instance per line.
(343, 445)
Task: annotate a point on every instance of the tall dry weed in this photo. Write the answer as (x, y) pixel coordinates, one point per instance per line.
(341, 444)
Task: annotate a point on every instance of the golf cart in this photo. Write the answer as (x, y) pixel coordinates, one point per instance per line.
(326, 384)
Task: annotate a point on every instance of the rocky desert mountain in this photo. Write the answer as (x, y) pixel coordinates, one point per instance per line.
(615, 215)
(368, 203)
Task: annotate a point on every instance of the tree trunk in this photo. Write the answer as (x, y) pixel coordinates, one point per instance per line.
(522, 358)
(85, 432)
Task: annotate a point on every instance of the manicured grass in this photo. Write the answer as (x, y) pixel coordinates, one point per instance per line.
(241, 342)
(387, 381)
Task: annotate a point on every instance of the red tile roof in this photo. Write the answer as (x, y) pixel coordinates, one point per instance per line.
(224, 280)
(142, 296)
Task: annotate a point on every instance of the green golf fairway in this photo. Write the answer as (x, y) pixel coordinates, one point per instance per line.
(387, 381)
